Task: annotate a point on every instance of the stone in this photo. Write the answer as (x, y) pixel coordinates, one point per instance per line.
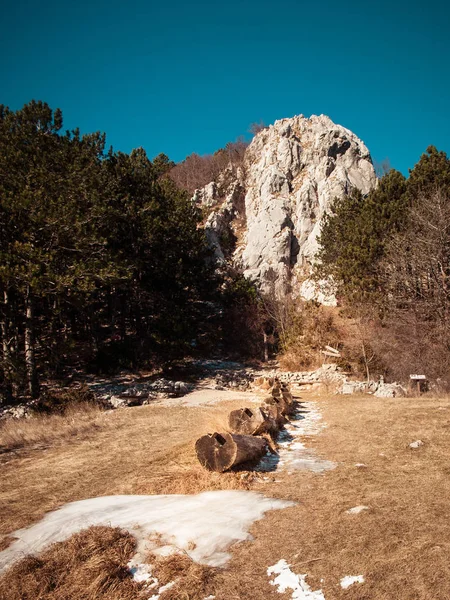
(21, 411)
(348, 388)
(390, 390)
(273, 207)
(416, 444)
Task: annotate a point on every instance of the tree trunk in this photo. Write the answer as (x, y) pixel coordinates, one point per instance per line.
(366, 362)
(249, 422)
(266, 347)
(285, 405)
(6, 351)
(275, 414)
(30, 357)
(222, 451)
(265, 383)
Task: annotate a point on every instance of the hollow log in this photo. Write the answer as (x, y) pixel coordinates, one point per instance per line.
(289, 401)
(282, 391)
(248, 421)
(285, 405)
(222, 451)
(275, 401)
(276, 416)
(264, 382)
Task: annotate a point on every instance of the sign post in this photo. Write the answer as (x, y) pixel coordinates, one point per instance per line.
(421, 382)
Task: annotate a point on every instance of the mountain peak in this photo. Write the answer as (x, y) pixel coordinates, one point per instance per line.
(273, 206)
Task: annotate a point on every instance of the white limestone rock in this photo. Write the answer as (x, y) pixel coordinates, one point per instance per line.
(390, 390)
(292, 172)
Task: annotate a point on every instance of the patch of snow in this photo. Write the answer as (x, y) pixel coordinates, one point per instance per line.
(209, 598)
(416, 444)
(357, 509)
(285, 579)
(293, 455)
(162, 589)
(361, 466)
(141, 572)
(209, 523)
(349, 580)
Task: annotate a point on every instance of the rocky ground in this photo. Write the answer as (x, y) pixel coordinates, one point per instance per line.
(137, 390)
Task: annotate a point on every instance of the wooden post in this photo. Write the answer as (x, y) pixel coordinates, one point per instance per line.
(421, 382)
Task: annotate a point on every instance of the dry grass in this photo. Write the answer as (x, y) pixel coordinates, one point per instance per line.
(142, 450)
(89, 565)
(191, 580)
(401, 544)
(42, 430)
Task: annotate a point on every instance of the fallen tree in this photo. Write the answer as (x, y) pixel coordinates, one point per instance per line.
(283, 401)
(248, 421)
(222, 451)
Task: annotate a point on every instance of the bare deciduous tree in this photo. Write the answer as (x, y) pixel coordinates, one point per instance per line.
(416, 278)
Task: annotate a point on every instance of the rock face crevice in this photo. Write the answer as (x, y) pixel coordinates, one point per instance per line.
(273, 206)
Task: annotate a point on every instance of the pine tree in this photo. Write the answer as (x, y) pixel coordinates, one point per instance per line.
(354, 234)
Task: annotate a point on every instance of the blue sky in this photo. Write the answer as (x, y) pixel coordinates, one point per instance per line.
(179, 77)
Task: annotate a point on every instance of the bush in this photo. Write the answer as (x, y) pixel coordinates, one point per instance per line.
(60, 400)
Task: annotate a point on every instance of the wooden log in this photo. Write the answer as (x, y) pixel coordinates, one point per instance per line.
(264, 383)
(276, 391)
(222, 451)
(284, 400)
(279, 402)
(248, 421)
(288, 398)
(274, 413)
(331, 349)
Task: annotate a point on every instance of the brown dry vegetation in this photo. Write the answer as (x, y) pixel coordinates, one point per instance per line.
(42, 430)
(190, 579)
(142, 450)
(91, 564)
(306, 328)
(400, 545)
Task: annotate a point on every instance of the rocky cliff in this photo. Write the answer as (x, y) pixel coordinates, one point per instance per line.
(265, 216)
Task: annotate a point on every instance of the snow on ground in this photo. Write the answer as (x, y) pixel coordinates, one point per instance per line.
(203, 525)
(287, 580)
(142, 573)
(162, 589)
(152, 585)
(416, 444)
(293, 455)
(357, 509)
(349, 580)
